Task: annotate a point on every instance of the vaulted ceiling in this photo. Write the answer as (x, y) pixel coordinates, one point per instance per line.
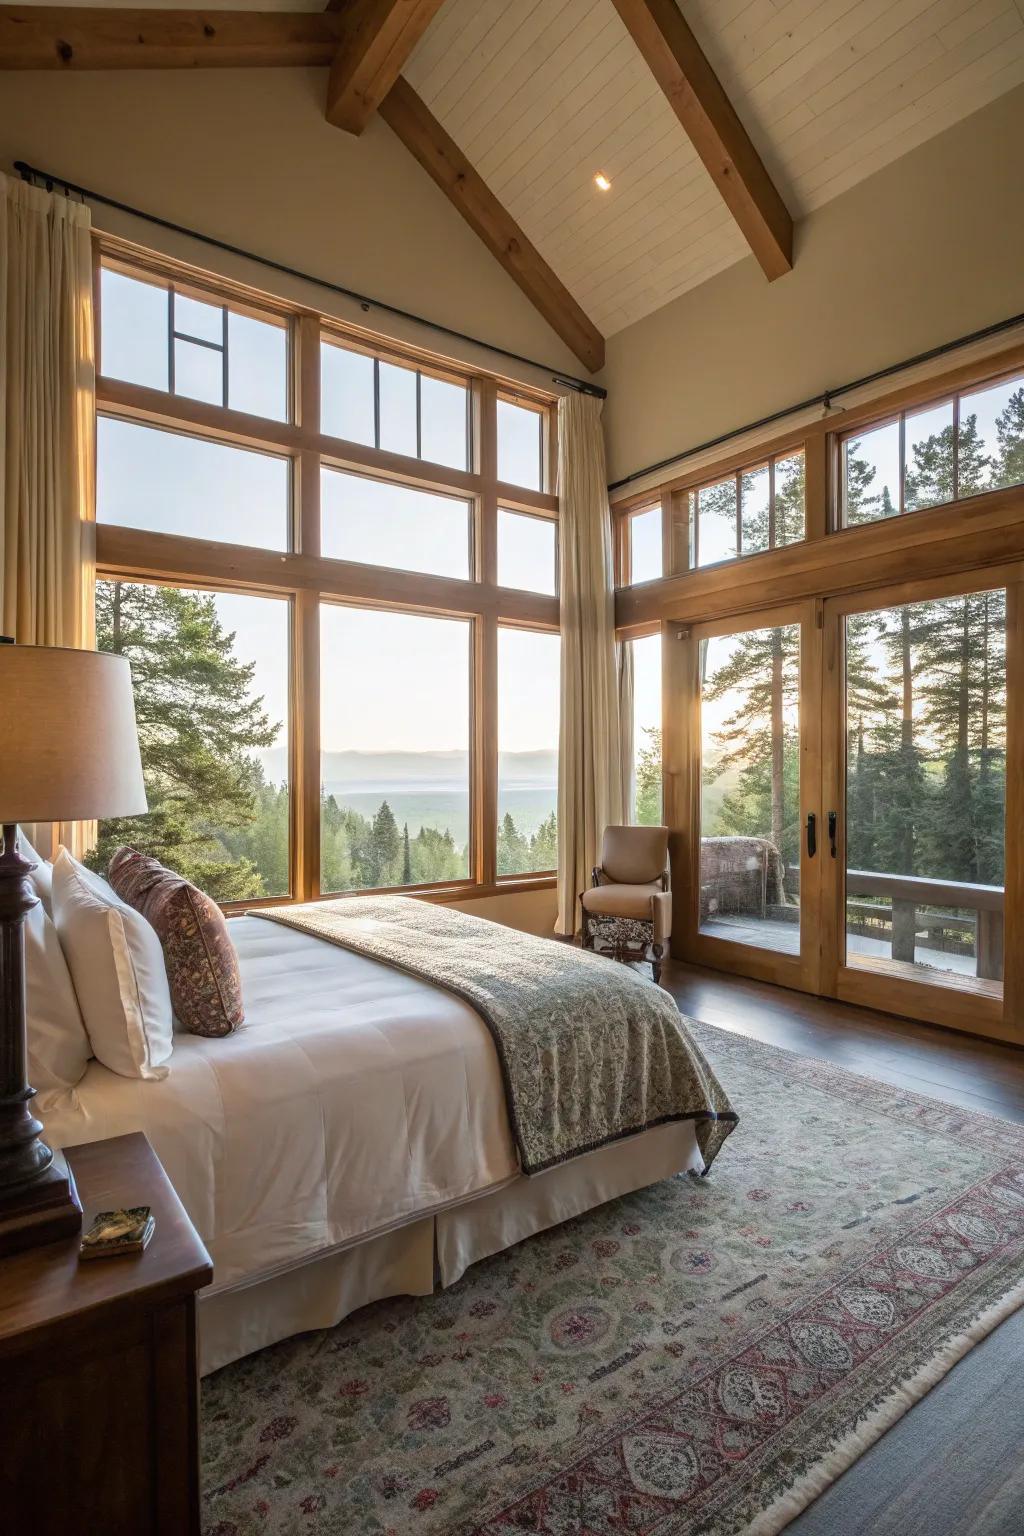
(513, 106)
(542, 94)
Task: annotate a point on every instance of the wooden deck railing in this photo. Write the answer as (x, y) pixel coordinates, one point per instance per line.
(909, 894)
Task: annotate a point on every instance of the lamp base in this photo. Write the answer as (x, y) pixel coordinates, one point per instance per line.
(44, 1211)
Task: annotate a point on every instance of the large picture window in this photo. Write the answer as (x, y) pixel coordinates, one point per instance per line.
(528, 708)
(394, 734)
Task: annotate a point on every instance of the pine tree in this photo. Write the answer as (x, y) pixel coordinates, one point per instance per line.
(544, 845)
(198, 725)
(648, 779)
(381, 856)
(860, 504)
(513, 848)
(1009, 468)
(930, 480)
(406, 857)
(763, 672)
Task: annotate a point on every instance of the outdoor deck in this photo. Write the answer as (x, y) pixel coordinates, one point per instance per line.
(784, 939)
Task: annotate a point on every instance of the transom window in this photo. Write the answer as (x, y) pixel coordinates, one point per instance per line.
(954, 448)
(156, 335)
(756, 509)
(388, 405)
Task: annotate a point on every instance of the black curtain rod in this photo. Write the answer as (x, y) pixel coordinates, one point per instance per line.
(824, 400)
(32, 173)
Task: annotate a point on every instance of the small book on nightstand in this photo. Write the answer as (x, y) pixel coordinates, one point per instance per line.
(115, 1232)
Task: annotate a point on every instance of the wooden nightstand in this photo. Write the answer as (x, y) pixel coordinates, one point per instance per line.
(99, 1406)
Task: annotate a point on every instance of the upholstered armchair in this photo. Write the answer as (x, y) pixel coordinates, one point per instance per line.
(629, 905)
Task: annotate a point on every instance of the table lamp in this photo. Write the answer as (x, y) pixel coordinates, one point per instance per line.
(69, 751)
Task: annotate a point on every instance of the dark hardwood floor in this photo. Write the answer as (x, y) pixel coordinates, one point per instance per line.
(954, 1464)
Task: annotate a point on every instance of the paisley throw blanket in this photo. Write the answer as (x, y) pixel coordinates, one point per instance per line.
(589, 1050)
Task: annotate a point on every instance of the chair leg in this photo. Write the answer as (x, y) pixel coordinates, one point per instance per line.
(587, 937)
(657, 951)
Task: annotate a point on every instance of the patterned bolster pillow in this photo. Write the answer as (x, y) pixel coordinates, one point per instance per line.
(202, 966)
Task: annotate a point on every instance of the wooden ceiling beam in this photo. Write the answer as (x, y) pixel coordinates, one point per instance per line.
(695, 94)
(87, 37)
(411, 120)
(376, 40)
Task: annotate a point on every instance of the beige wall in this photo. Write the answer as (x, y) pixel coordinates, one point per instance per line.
(926, 250)
(532, 911)
(247, 156)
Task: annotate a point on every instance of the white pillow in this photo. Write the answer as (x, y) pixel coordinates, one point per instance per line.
(117, 966)
(42, 876)
(58, 1046)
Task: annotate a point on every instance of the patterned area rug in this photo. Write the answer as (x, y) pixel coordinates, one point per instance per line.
(702, 1357)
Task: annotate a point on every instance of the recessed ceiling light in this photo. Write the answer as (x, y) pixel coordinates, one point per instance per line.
(602, 183)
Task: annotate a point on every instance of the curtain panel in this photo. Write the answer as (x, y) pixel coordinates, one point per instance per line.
(47, 418)
(591, 790)
(47, 430)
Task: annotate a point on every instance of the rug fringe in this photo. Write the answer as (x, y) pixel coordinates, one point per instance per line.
(870, 1430)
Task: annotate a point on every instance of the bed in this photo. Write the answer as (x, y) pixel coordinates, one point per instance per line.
(350, 1142)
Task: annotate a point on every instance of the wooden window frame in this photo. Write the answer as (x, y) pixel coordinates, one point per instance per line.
(305, 577)
(953, 547)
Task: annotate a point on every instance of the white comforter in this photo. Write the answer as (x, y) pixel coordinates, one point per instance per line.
(352, 1098)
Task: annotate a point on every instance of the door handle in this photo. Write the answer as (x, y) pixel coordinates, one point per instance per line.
(832, 831)
(812, 834)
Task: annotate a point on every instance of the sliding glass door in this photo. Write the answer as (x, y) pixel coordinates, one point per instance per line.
(916, 781)
(754, 792)
(849, 771)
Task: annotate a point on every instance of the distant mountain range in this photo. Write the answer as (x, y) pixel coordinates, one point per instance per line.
(397, 770)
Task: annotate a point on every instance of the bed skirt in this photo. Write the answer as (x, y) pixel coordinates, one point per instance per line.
(319, 1293)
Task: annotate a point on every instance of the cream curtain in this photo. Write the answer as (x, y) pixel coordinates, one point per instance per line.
(627, 660)
(47, 424)
(47, 417)
(590, 781)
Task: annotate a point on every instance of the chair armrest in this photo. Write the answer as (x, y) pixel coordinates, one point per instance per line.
(596, 874)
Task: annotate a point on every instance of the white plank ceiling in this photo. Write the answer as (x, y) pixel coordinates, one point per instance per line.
(541, 94)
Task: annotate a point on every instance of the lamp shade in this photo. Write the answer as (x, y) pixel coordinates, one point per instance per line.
(69, 748)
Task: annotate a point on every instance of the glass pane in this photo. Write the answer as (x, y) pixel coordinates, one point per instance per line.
(379, 522)
(871, 475)
(257, 367)
(992, 437)
(210, 674)
(520, 445)
(925, 777)
(790, 482)
(528, 708)
(346, 394)
(193, 317)
(394, 727)
(133, 330)
(928, 477)
(715, 515)
(199, 372)
(169, 483)
(754, 509)
(398, 409)
(526, 552)
(444, 422)
(645, 552)
(647, 731)
(750, 799)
